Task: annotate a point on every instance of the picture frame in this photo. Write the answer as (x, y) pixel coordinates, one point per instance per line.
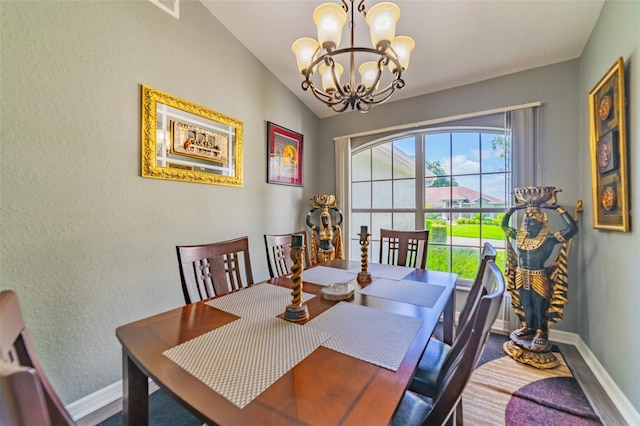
(284, 156)
(188, 142)
(608, 146)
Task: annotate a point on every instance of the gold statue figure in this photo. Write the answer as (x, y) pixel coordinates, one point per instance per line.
(538, 292)
(326, 238)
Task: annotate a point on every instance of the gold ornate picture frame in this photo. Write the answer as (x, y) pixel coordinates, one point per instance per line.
(608, 142)
(189, 142)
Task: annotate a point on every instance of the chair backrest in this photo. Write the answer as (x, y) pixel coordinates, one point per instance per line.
(404, 248)
(473, 298)
(278, 247)
(464, 354)
(25, 386)
(208, 270)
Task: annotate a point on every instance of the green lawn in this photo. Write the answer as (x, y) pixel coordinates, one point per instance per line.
(465, 260)
(491, 232)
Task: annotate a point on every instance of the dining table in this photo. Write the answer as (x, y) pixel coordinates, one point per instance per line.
(235, 360)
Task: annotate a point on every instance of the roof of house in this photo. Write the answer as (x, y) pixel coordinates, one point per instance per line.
(457, 193)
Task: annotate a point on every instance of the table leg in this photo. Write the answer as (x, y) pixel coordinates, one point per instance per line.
(135, 398)
(448, 325)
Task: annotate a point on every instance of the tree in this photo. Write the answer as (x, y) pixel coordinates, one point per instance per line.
(436, 168)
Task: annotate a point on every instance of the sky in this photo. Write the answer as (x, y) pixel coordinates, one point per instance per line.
(464, 153)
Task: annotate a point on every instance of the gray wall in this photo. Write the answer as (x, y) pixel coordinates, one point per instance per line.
(85, 241)
(89, 245)
(609, 283)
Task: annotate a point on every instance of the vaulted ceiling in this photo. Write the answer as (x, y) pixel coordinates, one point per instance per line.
(457, 41)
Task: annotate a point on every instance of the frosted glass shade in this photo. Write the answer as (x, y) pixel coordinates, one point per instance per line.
(327, 78)
(403, 46)
(382, 19)
(329, 18)
(368, 73)
(304, 48)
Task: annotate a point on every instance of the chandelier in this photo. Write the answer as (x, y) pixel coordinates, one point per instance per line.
(381, 66)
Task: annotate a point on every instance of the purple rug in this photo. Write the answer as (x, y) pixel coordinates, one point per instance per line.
(505, 392)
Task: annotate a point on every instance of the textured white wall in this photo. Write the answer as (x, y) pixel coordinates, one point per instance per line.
(86, 242)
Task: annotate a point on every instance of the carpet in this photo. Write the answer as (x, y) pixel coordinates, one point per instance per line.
(503, 391)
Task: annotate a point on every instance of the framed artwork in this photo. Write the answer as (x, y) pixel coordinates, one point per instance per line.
(188, 142)
(608, 143)
(284, 156)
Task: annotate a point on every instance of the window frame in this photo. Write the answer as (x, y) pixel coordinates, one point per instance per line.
(420, 210)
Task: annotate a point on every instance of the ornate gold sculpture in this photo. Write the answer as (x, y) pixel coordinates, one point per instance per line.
(326, 239)
(296, 311)
(364, 276)
(538, 293)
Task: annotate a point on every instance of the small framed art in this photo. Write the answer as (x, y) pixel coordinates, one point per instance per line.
(284, 156)
(607, 103)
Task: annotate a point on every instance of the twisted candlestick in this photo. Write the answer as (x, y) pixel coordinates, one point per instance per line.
(296, 276)
(296, 311)
(363, 275)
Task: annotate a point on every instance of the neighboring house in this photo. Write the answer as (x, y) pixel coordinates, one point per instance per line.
(460, 197)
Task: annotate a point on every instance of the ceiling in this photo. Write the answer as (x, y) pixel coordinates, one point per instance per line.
(457, 41)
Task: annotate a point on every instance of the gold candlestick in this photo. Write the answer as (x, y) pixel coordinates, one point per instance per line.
(364, 276)
(296, 311)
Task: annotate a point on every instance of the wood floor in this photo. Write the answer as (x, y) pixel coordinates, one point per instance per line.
(594, 392)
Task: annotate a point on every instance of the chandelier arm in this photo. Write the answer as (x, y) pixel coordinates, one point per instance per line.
(350, 95)
(326, 98)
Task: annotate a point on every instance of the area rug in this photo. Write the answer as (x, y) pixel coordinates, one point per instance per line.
(503, 391)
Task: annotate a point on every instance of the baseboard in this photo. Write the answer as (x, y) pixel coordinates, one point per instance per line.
(622, 403)
(102, 404)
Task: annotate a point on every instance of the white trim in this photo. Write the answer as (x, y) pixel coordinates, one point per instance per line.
(622, 403)
(100, 405)
(175, 12)
(440, 120)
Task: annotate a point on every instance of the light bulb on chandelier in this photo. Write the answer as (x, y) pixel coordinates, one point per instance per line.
(380, 65)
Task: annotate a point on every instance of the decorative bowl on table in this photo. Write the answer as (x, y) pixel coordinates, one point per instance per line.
(338, 291)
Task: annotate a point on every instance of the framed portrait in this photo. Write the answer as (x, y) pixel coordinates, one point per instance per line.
(188, 142)
(608, 145)
(284, 156)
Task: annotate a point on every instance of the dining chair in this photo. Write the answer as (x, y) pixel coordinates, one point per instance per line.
(278, 247)
(432, 359)
(416, 409)
(404, 248)
(213, 269)
(26, 395)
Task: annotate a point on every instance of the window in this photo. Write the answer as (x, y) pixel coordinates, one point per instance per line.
(454, 181)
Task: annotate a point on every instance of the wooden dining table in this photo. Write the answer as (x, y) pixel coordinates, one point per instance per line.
(327, 387)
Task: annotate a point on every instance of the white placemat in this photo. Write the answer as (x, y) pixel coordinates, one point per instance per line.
(261, 298)
(380, 270)
(407, 291)
(379, 337)
(243, 358)
(324, 275)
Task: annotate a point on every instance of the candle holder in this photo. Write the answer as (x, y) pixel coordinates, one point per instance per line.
(364, 276)
(296, 311)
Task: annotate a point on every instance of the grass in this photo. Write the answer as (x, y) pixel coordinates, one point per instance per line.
(491, 232)
(465, 260)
